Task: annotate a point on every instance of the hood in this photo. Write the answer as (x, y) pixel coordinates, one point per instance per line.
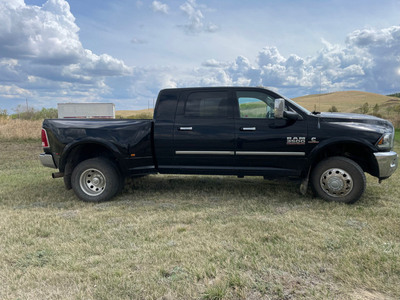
(354, 118)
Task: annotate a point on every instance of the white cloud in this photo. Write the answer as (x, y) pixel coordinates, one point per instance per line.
(47, 34)
(212, 63)
(370, 61)
(139, 4)
(157, 6)
(139, 41)
(103, 65)
(42, 45)
(195, 17)
(10, 71)
(13, 91)
(210, 27)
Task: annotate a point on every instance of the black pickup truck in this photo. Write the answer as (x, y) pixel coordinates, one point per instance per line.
(241, 131)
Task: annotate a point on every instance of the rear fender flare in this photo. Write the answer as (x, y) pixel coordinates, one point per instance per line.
(69, 148)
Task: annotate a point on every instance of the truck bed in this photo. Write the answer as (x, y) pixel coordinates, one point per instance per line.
(130, 140)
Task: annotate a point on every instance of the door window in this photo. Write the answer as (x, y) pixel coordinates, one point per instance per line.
(255, 105)
(207, 105)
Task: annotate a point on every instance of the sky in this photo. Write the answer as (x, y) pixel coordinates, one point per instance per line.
(125, 51)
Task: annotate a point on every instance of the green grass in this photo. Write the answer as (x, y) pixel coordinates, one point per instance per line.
(192, 237)
(253, 110)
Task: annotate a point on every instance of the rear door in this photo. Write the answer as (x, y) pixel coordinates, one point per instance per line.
(204, 132)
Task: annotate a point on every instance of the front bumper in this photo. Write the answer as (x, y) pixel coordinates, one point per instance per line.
(47, 160)
(387, 163)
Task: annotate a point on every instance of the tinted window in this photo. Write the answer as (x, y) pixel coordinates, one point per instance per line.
(255, 104)
(207, 104)
(166, 104)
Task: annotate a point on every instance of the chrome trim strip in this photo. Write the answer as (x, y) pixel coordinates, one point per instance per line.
(248, 129)
(144, 168)
(206, 152)
(240, 153)
(185, 128)
(270, 153)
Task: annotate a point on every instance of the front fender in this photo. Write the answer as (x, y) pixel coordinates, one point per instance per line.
(335, 141)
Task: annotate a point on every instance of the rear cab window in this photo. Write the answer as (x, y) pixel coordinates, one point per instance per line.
(206, 105)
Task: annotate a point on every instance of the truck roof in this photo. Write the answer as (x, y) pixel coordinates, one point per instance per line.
(216, 88)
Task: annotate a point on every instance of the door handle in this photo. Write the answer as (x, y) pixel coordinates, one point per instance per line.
(185, 128)
(248, 128)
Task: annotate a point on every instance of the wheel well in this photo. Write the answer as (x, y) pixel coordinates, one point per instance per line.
(84, 152)
(359, 153)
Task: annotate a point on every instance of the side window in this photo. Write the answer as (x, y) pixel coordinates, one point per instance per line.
(255, 105)
(207, 105)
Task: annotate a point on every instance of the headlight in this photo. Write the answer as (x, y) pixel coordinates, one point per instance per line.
(386, 141)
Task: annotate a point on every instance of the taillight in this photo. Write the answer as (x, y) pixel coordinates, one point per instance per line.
(45, 140)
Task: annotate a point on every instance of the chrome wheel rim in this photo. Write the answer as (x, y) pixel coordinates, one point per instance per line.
(336, 182)
(92, 182)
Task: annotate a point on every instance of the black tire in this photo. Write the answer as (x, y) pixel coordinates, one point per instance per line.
(121, 181)
(338, 179)
(96, 180)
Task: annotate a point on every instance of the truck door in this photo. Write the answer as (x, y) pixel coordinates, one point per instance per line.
(264, 145)
(204, 132)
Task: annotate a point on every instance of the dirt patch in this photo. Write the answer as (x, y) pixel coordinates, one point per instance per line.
(367, 295)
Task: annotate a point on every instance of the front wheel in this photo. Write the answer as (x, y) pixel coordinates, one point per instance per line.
(95, 180)
(338, 179)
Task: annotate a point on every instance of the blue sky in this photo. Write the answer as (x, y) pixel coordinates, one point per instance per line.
(126, 51)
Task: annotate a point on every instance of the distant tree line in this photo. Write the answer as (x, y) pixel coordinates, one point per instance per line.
(366, 108)
(30, 113)
(3, 113)
(395, 95)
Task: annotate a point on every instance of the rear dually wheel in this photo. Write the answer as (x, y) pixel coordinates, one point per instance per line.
(95, 180)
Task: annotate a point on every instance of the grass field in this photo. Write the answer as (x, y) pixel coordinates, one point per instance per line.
(19, 129)
(192, 237)
(253, 110)
(145, 113)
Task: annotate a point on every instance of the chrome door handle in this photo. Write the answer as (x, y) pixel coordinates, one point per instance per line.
(248, 128)
(185, 128)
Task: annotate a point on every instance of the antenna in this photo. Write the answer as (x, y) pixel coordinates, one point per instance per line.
(320, 88)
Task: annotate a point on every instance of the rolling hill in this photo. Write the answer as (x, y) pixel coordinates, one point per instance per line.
(349, 101)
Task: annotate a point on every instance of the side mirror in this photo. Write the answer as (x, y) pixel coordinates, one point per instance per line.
(280, 113)
(279, 108)
(291, 115)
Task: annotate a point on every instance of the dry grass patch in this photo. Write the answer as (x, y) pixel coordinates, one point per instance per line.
(147, 113)
(19, 129)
